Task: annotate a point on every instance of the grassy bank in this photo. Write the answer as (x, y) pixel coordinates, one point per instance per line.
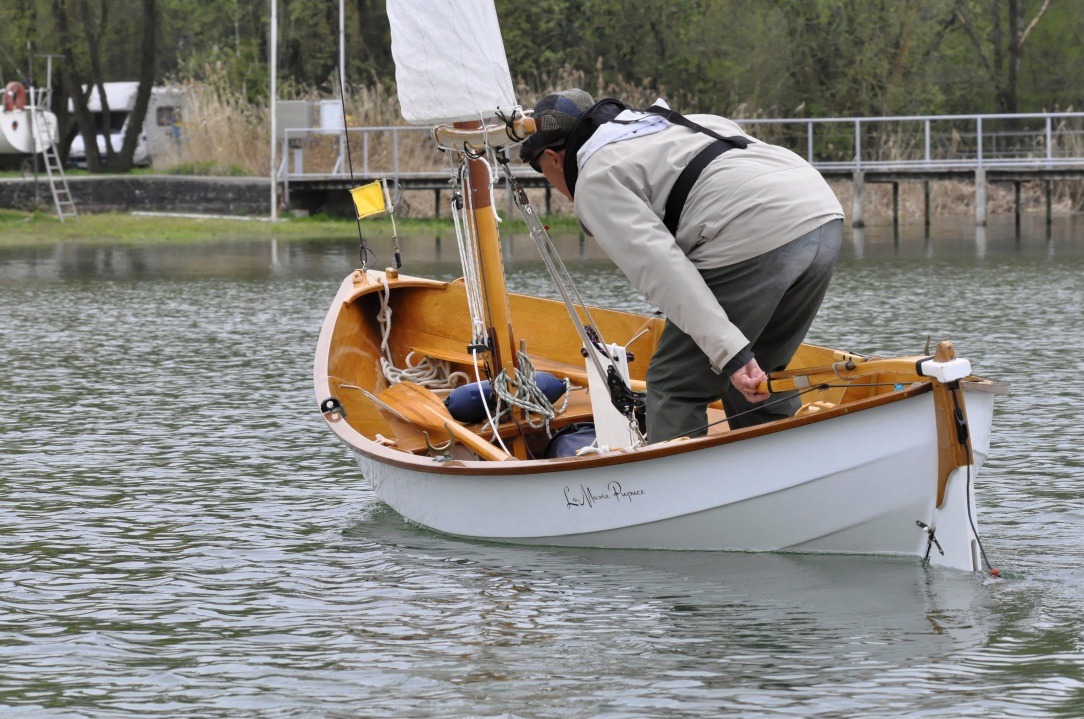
(114, 228)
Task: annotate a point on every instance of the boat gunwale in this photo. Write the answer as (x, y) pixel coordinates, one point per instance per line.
(349, 291)
(398, 458)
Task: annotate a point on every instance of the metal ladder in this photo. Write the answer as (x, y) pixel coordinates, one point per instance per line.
(58, 183)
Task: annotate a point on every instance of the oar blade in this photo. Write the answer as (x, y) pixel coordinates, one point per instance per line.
(420, 406)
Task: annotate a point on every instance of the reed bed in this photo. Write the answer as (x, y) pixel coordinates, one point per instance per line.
(223, 134)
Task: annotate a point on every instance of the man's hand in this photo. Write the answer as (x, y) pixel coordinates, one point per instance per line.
(747, 379)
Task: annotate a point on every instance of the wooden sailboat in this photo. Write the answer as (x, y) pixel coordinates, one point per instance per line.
(881, 459)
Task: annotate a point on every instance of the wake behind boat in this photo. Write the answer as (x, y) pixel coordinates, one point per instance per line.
(464, 403)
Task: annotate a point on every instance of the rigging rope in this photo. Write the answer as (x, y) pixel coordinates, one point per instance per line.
(467, 242)
(523, 392)
(363, 249)
(562, 280)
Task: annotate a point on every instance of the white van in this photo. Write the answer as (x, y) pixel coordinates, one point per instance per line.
(161, 127)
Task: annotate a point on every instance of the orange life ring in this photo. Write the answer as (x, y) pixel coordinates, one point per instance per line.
(14, 96)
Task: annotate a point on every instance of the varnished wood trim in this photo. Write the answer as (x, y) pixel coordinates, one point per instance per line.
(419, 464)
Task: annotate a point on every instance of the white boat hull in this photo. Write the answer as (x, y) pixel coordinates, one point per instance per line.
(856, 484)
(20, 136)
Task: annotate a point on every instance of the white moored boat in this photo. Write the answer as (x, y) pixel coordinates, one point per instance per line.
(882, 458)
(25, 127)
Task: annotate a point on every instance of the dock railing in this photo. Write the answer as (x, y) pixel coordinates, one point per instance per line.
(1043, 139)
(879, 149)
(961, 142)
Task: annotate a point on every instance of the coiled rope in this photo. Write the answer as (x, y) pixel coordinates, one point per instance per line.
(523, 392)
(428, 372)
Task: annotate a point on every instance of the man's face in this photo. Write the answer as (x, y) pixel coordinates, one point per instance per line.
(551, 164)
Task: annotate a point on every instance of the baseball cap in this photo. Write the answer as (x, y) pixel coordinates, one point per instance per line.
(555, 116)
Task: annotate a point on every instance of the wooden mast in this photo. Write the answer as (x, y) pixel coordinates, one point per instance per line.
(450, 65)
(498, 315)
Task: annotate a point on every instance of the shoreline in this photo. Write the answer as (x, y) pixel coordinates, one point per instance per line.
(35, 229)
(28, 229)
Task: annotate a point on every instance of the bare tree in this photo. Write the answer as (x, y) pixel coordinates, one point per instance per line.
(79, 88)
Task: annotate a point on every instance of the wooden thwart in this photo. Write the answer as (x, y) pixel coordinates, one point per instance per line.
(577, 374)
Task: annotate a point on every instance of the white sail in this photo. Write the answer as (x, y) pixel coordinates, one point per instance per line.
(449, 56)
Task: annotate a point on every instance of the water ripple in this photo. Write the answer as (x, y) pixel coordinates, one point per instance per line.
(182, 537)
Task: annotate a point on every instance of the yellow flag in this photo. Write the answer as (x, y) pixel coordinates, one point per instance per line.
(369, 199)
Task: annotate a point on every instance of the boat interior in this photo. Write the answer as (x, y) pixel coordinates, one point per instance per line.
(418, 318)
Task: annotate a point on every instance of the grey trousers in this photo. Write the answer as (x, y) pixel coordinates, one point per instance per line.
(772, 299)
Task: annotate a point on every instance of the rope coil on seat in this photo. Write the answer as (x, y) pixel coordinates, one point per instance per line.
(428, 372)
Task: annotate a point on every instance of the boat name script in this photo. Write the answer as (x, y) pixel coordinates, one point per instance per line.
(586, 498)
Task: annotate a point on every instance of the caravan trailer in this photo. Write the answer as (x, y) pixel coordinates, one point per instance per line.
(161, 126)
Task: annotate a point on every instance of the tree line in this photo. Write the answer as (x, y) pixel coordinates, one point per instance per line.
(793, 58)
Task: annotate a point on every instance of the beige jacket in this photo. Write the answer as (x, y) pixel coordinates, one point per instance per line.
(747, 202)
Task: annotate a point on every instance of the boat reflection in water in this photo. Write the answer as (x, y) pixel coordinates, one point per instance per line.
(784, 620)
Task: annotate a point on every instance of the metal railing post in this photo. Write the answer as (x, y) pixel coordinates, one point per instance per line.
(926, 131)
(980, 178)
(284, 168)
(1049, 142)
(365, 151)
(395, 153)
(857, 144)
(978, 136)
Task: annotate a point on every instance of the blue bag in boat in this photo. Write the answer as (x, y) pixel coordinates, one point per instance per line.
(571, 438)
(465, 403)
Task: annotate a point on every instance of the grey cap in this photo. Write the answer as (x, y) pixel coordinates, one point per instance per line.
(555, 115)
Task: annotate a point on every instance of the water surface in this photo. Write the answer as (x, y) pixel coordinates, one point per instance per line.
(181, 535)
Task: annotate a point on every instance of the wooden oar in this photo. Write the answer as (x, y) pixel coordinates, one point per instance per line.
(420, 406)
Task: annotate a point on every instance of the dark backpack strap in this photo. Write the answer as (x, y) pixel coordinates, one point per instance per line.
(678, 119)
(679, 193)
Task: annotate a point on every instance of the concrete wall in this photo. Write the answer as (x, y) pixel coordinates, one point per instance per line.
(151, 193)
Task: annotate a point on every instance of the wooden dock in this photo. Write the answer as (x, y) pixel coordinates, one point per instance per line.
(980, 177)
(314, 193)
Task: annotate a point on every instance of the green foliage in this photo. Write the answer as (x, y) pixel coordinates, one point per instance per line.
(1052, 77)
(812, 57)
(748, 58)
(229, 71)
